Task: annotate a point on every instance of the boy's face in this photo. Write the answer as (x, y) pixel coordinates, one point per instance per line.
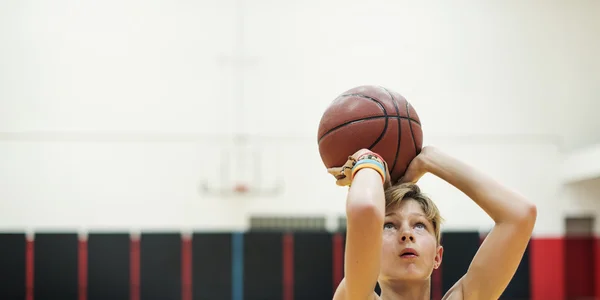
(409, 250)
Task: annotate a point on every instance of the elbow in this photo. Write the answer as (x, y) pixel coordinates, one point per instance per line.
(531, 214)
(528, 215)
(364, 212)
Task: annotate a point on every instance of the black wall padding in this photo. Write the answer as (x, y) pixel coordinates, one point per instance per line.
(160, 266)
(377, 288)
(211, 266)
(108, 266)
(263, 266)
(459, 250)
(12, 265)
(313, 266)
(55, 275)
(518, 288)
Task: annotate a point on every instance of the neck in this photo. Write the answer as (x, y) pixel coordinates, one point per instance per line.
(417, 290)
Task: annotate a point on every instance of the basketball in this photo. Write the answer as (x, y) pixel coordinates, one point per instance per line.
(374, 118)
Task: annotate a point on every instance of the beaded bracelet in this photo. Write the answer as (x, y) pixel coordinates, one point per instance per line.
(372, 161)
(371, 155)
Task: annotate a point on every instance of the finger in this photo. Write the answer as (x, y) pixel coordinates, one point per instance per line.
(400, 180)
(334, 171)
(408, 177)
(343, 182)
(338, 174)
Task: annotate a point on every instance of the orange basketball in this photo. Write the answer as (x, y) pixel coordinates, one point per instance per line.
(374, 118)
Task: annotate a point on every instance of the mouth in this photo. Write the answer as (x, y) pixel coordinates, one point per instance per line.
(409, 253)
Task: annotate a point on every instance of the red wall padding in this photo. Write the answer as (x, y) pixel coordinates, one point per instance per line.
(579, 267)
(597, 268)
(547, 268)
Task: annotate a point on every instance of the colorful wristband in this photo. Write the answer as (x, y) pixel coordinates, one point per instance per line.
(369, 161)
(371, 164)
(371, 155)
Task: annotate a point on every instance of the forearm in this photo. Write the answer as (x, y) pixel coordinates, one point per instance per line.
(365, 214)
(366, 195)
(501, 203)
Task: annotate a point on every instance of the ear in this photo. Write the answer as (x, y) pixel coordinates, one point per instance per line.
(438, 257)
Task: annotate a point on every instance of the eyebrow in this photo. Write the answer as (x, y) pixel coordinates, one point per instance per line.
(413, 214)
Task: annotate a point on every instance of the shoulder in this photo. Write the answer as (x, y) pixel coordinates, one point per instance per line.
(340, 293)
(456, 292)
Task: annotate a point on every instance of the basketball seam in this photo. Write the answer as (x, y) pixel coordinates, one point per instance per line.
(411, 130)
(367, 119)
(384, 112)
(381, 105)
(399, 141)
(385, 126)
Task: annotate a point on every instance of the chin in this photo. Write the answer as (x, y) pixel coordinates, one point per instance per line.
(410, 273)
(415, 277)
(412, 276)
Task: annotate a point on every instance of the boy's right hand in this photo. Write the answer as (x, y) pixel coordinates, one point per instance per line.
(343, 174)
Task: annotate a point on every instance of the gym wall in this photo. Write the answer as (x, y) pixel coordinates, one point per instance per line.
(113, 116)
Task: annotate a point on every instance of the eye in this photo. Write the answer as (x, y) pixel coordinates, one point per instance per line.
(420, 225)
(388, 225)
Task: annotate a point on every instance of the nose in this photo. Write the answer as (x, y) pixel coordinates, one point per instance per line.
(407, 236)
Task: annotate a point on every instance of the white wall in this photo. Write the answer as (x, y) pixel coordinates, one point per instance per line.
(148, 184)
(584, 199)
(111, 112)
(581, 164)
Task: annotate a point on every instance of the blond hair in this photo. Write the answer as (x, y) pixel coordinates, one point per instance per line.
(410, 191)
